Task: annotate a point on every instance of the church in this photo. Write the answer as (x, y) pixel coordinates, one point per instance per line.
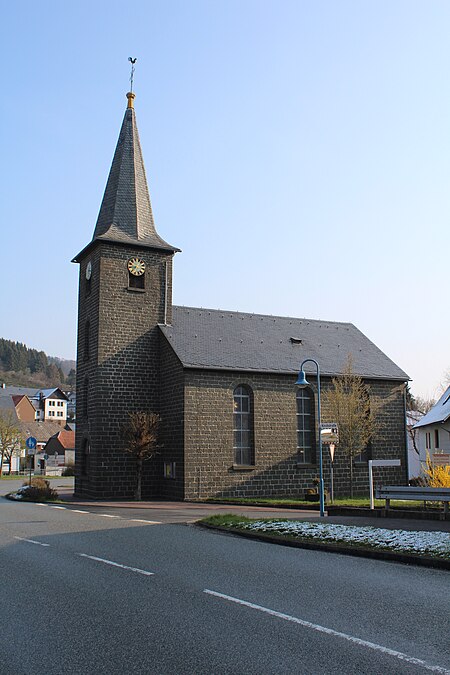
(233, 423)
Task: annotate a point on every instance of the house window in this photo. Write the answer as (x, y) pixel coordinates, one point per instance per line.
(305, 426)
(428, 440)
(436, 438)
(87, 339)
(243, 425)
(51, 402)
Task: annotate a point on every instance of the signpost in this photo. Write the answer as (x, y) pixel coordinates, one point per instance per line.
(378, 462)
(31, 445)
(329, 432)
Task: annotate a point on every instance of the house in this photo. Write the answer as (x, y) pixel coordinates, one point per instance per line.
(433, 432)
(51, 405)
(58, 452)
(29, 408)
(233, 422)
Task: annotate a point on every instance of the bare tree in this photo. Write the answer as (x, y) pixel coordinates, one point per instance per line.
(349, 404)
(10, 439)
(423, 405)
(140, 433)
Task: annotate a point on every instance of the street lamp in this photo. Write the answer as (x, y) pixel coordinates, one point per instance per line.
(302, 382)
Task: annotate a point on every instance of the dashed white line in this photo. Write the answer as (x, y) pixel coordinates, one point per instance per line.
(32, 541)
(334, 633)
(149, 522)
(106, 515)
(78, 511)
(59, 507)
(115, 564)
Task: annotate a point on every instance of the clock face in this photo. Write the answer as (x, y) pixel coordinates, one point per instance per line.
(88, 270)
(136, 267)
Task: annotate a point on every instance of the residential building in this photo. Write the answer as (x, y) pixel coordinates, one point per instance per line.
(433, 432)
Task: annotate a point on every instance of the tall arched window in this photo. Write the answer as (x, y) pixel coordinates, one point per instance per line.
(305, 426)
(243, 425)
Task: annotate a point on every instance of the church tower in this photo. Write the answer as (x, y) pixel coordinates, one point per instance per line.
(125, 291)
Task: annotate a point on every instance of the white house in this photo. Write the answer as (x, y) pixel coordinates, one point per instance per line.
(433, 432)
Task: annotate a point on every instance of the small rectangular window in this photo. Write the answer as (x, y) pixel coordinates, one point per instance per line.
(436, 438)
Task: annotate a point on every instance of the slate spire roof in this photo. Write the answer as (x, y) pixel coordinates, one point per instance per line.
(126, 213)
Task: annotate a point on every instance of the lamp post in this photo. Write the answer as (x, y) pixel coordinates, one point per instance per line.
(302, 382)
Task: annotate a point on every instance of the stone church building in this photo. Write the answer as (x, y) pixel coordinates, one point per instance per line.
(233, 421)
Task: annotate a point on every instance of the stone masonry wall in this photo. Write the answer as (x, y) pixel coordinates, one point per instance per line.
(209, 458)
(121, 374)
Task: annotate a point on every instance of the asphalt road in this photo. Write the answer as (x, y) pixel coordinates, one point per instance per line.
(85, 592)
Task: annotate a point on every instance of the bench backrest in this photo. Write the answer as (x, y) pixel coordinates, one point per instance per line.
(406, 492)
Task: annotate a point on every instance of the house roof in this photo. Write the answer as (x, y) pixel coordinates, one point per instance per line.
(40, 430)
(216, 339)
(67, 439)
(126, 213)
(439, 413)
(9, 391)
(56, 392)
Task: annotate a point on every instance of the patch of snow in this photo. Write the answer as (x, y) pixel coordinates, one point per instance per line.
(429, 543)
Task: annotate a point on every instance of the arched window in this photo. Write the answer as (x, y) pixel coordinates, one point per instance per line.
(243, 425)
(305, 426)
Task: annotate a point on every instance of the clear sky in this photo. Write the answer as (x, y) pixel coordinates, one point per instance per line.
(297, 152)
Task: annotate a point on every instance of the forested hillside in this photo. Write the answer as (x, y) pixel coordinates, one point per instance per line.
(22, 366)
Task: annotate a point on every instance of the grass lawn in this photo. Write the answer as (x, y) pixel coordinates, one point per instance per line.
(341, 501)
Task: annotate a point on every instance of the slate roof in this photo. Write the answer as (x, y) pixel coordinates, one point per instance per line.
(56, 392)
(224, 340)
(126, 213)
(439, 413)
(6, 396)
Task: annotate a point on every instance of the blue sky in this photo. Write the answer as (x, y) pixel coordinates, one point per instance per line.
(297, 152)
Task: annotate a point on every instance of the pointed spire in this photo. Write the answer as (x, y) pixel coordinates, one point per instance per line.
(126, 212)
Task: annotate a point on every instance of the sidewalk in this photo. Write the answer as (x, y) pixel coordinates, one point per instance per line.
(200, 510)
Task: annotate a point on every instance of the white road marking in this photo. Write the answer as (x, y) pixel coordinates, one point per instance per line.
(106, 515)
(115, 564)
(59, 507)
(78, 511)
(41, 504)
(31, 541)
(149, 522)
(334, 633)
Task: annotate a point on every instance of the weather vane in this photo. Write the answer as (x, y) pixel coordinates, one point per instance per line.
(132, 61)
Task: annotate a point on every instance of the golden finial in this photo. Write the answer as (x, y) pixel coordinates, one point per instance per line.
(130, 97)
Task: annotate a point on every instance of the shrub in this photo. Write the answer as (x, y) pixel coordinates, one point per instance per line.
(68, 471)
(437, 476)
(38, 491)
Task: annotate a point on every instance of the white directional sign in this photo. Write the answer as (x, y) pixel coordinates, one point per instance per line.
(329, 433)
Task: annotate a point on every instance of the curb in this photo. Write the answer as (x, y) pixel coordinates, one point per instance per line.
(380, 512)
(387, 556)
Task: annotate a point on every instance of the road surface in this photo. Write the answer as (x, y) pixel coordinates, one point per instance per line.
(90, 591)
